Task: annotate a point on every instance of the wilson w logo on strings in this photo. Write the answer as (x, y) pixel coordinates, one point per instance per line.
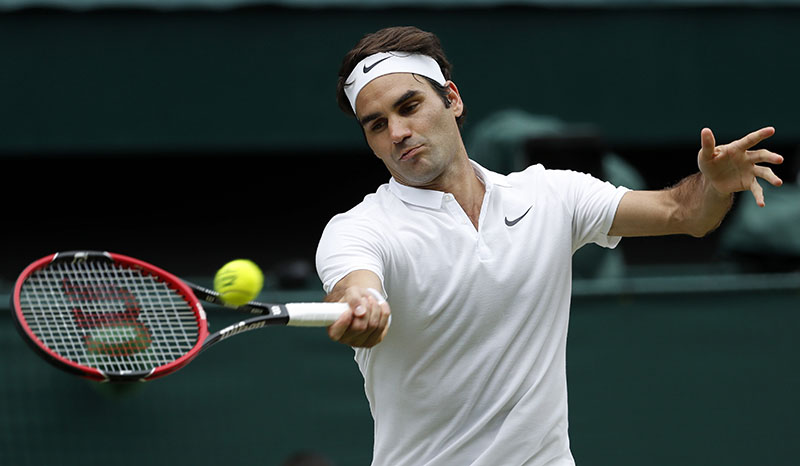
(109, 315)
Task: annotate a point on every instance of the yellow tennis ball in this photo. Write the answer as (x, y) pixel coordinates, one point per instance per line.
(238, 281)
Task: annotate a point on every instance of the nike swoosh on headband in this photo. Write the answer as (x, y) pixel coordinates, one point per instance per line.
(367, 69)
(511, 223)
(391, 62)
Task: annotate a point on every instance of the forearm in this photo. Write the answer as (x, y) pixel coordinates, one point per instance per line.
(359, 278)
(692, 207)
(335, 295)
(699, 208)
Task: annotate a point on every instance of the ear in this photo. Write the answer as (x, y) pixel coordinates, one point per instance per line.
(456, 104)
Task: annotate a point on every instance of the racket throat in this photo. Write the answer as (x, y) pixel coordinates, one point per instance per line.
(278, 316)
(246, 326)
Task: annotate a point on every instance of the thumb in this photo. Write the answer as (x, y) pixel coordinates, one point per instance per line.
(707, 144)
(337, 329)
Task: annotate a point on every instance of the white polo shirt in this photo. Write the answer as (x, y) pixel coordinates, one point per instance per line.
(473, 368)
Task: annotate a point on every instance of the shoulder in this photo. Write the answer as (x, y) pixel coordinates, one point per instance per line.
(527, 175)
(568, 188)
(352, 240)
(552, 179)
(364, 222)
(541, 180)
(372, 206)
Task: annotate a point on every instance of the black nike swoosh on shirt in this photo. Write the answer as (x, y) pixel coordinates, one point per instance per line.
(511, 223)
(367, 69)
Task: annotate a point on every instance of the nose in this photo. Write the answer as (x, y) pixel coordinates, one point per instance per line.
(398, 130)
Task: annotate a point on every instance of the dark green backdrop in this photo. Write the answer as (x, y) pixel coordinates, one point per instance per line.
(654, 379)
(264, 79)
(110, 118)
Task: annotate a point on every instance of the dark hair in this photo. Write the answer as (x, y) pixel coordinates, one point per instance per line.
(401, 39)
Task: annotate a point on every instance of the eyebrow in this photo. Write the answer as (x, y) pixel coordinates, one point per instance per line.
(372, 116)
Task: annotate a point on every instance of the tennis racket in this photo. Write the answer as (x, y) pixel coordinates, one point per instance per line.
(109, 317)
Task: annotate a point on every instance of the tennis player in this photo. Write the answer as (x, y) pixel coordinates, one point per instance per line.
(471, 367)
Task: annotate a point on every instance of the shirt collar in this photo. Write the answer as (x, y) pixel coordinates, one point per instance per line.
(433, 199)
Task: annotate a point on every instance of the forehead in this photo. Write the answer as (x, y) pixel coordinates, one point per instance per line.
(385, 90)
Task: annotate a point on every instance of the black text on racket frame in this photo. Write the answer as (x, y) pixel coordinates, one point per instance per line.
(110, 317)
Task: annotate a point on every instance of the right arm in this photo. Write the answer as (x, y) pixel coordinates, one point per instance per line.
(367, 321)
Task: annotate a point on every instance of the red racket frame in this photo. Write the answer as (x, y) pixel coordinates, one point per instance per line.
(171, 280)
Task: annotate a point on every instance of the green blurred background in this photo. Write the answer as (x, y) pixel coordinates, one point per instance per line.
(188, 133)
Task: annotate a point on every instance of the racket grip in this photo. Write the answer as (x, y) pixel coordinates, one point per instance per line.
(314, 314)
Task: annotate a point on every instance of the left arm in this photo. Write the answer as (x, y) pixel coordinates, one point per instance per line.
(697, 205)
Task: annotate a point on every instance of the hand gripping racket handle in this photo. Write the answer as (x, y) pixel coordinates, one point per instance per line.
(314, 314)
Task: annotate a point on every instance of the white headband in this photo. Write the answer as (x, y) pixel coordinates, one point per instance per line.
(383, 63)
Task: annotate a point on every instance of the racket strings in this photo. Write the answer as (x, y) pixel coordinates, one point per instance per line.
(108, 317)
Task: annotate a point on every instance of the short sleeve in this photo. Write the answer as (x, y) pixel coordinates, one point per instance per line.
(349, 243)
(594, 205)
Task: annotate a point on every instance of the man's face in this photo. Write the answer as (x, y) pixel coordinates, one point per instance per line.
(409, 128)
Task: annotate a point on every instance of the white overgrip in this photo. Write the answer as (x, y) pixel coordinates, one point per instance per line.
(314, 314)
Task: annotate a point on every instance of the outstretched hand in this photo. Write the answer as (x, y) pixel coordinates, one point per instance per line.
(733, 167)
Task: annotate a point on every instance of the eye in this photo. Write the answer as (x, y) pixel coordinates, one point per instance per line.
(409, 107)
(377, 125)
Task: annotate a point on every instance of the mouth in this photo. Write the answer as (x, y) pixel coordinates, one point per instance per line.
(410, 152)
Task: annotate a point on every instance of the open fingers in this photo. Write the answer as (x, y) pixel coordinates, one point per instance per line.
(758, 192)
(764, 156)
(768, 175)
(755, 137)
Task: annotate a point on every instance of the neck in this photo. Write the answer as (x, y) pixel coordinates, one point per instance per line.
(460, 180)
(467, 189)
